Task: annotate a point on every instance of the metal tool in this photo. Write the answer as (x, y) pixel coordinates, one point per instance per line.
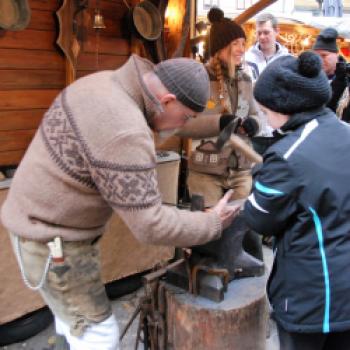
(152, 311)
(227, 131)
(228, 135)
(211, 266)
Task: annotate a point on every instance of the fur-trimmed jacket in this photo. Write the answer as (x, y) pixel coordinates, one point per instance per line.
(238, 95)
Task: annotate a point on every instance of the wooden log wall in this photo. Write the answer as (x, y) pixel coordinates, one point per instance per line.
(31, 75)
(32, 68)
(106, 48)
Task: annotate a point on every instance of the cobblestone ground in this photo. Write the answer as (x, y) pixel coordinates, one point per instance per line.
(123, 308)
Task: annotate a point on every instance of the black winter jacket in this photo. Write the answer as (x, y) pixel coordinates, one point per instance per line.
(301, 195)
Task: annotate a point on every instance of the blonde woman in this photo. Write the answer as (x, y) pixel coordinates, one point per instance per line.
(230, 97)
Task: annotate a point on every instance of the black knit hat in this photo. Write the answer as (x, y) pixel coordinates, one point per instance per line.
(290, 85)
(222, 31)
(187, 79)
(327, 40)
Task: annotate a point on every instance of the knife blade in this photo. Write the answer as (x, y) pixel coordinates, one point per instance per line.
(227, 132)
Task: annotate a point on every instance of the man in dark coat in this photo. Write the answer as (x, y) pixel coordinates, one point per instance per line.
(335, 67)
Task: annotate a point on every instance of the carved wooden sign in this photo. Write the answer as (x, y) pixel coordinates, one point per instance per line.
(68, 37)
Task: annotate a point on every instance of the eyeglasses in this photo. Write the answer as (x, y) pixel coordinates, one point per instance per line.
(188, 117)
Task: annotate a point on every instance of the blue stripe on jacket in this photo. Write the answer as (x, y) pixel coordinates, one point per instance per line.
(319, 233)
(267, 190)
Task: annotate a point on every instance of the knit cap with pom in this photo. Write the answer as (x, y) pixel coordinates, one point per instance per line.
(222, 31)
(290, 85)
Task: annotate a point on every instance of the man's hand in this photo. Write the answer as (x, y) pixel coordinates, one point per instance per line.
(226, 212)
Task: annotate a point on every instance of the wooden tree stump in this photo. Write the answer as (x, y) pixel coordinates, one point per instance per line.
(237, 323)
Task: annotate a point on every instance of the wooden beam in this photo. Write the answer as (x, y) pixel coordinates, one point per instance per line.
(107, 45)
(87, 61)
(12, 79)
(27, 99)
(15, 140)
(21, 119)
(28, 39)
(30, 59)
(253, 10)
(11, 157)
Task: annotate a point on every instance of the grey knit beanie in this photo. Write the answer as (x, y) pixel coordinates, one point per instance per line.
(187, 79)
(292, 85)
(327, 40)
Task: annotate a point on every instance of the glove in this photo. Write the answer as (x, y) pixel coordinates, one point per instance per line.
(340, 71)
(338, 85)
(225, 119)
(250, 126)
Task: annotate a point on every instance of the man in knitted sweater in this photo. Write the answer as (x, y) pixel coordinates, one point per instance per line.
(94, 153)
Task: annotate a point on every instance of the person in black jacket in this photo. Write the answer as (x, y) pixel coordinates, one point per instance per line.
(334, 66)
(301, 196)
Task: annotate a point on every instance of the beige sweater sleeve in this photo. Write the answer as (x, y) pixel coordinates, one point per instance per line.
(162, 225)
(203, 126)
(126, 178)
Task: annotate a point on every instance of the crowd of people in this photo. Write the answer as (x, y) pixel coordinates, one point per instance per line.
(94, 154)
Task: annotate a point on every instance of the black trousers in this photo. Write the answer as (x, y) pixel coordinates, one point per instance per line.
(313, 341)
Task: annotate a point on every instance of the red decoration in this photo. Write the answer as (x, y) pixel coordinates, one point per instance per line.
(345, 51)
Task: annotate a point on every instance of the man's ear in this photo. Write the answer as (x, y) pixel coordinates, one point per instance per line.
(166, 98)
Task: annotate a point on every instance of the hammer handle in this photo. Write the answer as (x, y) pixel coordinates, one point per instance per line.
(247, 150)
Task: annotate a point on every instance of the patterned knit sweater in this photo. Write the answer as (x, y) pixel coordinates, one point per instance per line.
(93, 153)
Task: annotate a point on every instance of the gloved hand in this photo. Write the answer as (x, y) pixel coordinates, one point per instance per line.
(250, 126)
(338, 85)
(340, 71)
(225, 119)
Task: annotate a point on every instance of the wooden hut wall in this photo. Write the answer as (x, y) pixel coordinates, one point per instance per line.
(31, 74)
(33, 67)
(106, 48)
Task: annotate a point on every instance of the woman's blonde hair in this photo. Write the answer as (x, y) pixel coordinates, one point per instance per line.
(216, 64)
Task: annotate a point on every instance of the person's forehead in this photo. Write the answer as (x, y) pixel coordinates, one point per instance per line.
(325, 53)
(238, 40)
(260, 26)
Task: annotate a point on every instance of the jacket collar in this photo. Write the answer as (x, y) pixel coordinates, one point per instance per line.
(299, 119)
(129, 77)
(280, 50)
